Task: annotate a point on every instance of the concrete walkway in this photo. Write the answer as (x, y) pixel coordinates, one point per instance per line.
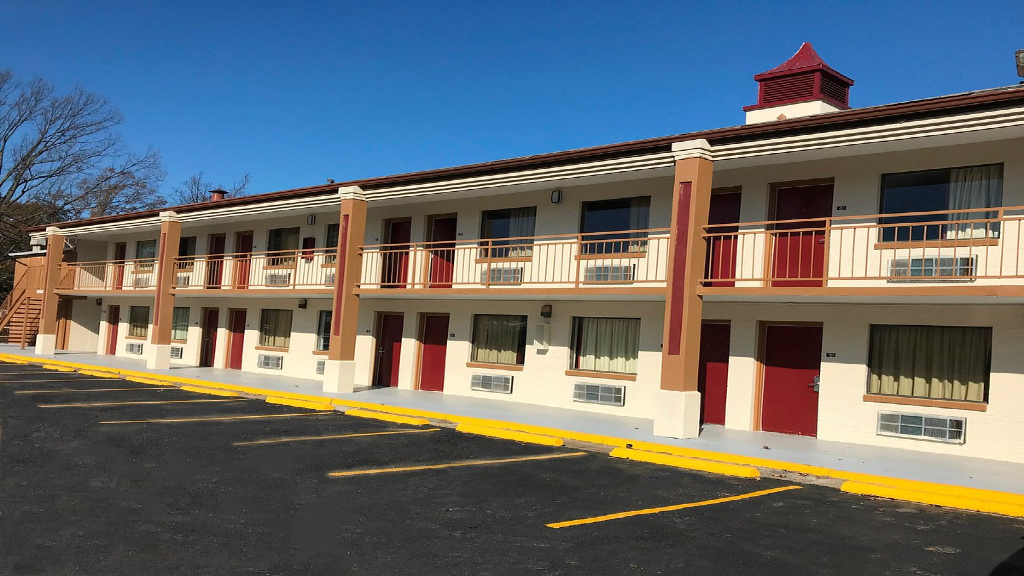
(908, 464)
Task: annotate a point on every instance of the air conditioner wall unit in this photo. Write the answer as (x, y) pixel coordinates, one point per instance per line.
(133, 347)
(270, 362)
(491, 383)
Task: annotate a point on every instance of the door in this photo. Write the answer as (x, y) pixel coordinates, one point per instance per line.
(389, 349)
(64, 306)
(442, 251)
(120, 253)
(113, 322)
(208, 344)
(434, 338)
(243, 260)
(721, 259)
(713, 372)
(799, 247)
(215, 261)
(792, 363)
(236, 339)
(394, 271)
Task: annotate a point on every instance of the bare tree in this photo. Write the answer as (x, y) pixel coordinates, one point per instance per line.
(197, 189)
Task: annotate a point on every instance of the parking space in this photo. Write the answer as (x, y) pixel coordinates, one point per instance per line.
(246, 487)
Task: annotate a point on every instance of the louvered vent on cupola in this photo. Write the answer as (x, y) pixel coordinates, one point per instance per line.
(800, 86)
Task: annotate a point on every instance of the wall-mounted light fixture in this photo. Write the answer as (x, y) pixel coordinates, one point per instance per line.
(556, 196)
(545, 311)
(303, 303)
(311, 219)
(99, 301)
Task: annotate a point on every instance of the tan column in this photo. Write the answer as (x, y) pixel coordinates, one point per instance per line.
(159, 354)
(339, 370)
(46, 339)
(678, 411)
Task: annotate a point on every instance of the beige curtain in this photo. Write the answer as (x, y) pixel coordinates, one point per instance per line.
(138, 321)
(522, 223)
(975, 187)
(939, 362)
(276, 328)
(607, 344)
(499, 339)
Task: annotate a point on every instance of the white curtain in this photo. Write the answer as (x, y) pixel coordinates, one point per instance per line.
(499, 339)
(639, 219)
(522, 222)
(938, 362)
(974, 187)
(606, 344)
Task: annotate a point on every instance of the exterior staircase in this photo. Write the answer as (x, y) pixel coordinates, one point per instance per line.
(20, 313)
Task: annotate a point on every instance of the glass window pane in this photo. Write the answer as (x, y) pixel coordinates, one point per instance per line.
(499, 339)
(275, 328)
(138, 321)
(323, 330)
(179, 324)
(606, 344)
(624, 216)
(509, 232)
(936, 191)
(936, 362)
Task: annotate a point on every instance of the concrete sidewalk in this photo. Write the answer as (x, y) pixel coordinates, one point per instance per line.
(906, 464)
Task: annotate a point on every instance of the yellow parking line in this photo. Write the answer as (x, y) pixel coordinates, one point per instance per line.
(328, 437)
(138, 403)
(62, 390)
(210, 418)
(619, 515)
(453, 464)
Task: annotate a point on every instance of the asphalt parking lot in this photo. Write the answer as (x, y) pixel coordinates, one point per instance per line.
(105, 476)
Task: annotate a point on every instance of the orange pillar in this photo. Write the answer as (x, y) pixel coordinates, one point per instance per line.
(339, 369)
(46, 339)
(678, 410)
(159, 354)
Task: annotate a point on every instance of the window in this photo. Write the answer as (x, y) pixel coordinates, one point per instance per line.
(499, 339)
(275, 328)
(179, 324)
(331, 240)
(138, 321)
(323, 330)
(285, 241)
(605, 344)
(935, 362)
(622, 218)
(952, 189)
(499, 225)
(145, 254)
(187, 246)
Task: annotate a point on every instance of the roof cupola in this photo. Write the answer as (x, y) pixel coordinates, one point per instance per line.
(801, 86)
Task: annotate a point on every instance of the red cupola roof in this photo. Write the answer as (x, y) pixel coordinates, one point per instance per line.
(802, 78)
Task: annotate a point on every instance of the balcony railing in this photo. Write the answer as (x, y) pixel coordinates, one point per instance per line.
(633, 258)
(980, 246)
(304, 268)
(108, 275)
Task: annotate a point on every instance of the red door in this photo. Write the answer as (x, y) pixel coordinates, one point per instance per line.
(435, 348)
(713, 374)
(113, 322)
(792, 361)
(721, 259)
(237, 339)
(389, 349)
(394, 271)
(442, 251)
(799, 250)
(243, 246)
(215, 261)
(208, 346)
(120, 253)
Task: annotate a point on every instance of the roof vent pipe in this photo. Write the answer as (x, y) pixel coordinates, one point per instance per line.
(217, 194)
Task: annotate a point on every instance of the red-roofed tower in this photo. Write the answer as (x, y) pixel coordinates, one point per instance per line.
(800, 86)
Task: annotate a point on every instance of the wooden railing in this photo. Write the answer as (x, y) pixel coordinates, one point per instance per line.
(982, 246)
(627, 258)
(303, 268)
(108, 275)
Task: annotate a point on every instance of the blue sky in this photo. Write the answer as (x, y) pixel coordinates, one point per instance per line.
(297, 92)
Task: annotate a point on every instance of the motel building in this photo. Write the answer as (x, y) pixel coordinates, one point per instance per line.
(854, 274)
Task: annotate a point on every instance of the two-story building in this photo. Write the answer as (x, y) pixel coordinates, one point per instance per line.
(854, 274)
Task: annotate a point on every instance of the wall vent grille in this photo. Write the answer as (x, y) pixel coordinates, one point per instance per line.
(278, 279)
(616, 273)
(133, 348)
(950, 429)
(270, 362)
(599, 394)
(491, 383)
(501, 276)
(321, 366)
(931, 267)
(176, 352)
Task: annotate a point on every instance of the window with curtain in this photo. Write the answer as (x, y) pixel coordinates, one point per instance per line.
(934, 362)
(187, 246)
(498, 226)
(179, 324)
(621, 218)
(605, 344)
(499, 339)
(323, 330)
(331, 241)
(138, 321)
(284, 240)
(275, 328)
(145, 254)
(969, 189)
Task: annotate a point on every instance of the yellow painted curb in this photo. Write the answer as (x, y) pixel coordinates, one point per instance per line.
(387, 417)
(509, 434)
(932, 488)
(210, 391)
(57, 368)
(689, 463)
(99, 374)
(13, 361)
(946, 500)
(299, 403)
(148, 381)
